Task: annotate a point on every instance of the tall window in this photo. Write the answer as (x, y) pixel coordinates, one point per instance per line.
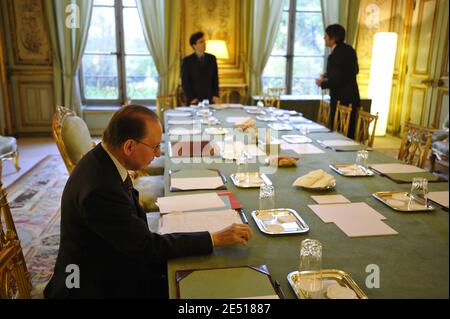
(117, 65)
(298, 54)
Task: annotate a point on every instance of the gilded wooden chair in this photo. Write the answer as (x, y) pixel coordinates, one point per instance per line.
(416, 144)
(342, 118)
(15, 280)
(271, 100)
(362, 134)
(73, 140)
(164, 103)
(323, 117)
(8, 151)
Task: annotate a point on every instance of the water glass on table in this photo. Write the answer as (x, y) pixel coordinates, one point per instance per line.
(304, 130)
(362, 162)
(419, 192)
(310, 282)
(266, 197)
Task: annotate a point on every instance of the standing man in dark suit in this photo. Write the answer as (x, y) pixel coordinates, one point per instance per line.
(199, 75)
(105, 239)
(342, 68)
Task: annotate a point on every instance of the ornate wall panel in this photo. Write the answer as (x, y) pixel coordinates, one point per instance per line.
(29, 33)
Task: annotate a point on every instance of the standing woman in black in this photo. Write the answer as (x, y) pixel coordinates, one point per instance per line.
(342, 69)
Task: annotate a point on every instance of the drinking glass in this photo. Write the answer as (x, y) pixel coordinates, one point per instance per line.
(266, 197)
(419, 192)
(304, 130)
(242, 167)
(362, 161)
(310, 282)
(205, 103)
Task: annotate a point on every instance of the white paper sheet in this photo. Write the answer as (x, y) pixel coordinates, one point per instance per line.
(212, 182)
(184, 131)
(182, 121)
(439, 197)
(183, 203)
(330, 199)
(235, 119)
(301, 148)
(396, 168)
(251, 150)
(184, 222)
(333, 212)
(364, 227)
(178, 114)
(339, 143)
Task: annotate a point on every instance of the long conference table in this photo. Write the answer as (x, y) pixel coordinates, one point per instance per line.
(412, 264)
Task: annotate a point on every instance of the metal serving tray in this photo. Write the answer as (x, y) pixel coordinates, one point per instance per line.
(280, 221)
(256, 179)
(266, 118)
(329, 277)
(400, 197)
(337, 169)
(296, 139)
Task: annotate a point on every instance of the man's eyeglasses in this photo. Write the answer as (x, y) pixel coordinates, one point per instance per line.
(155, 149)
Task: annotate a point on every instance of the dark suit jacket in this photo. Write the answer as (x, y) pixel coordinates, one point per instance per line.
(105, 233)
(200, 80)
(342, 68)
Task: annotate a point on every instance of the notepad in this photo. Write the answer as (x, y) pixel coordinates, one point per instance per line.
(396, 168)
(192, 202)
(339, 143)
(302, 148)
(330, 199)
(332, 212)
(236, 119)
(439, 197)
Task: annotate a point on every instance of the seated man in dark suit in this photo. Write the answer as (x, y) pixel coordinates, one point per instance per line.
(199, 75)
(342, 69)
(104, 231)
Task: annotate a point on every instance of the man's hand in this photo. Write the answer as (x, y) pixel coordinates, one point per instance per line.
(216, 100)
(194, 101)
(319, 82)
(234, 234)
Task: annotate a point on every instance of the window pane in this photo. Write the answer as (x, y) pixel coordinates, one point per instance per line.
(274, 73)
(102, 32)
(286, 5)
(304, 87)
(129, 3)
(309, 34)
(308, 67)
(142, 78)
(306, 70)
(308, 5)
(104, 3)
(134, 35)
(280, 46)
(100, 77)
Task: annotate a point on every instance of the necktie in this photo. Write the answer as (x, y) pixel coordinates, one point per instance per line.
(129, 186)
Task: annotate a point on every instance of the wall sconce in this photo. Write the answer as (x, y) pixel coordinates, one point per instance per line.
(381, 72)
(218, 48)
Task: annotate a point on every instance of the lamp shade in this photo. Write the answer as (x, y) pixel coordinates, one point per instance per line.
(218, 48)
(381, 72)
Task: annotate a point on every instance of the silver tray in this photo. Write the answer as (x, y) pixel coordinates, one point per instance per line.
(266, 118)
(296, 139)
(336, 168)
(296, 226)
(385, 196)
(256, 180)
(281, 127)
(329, 277)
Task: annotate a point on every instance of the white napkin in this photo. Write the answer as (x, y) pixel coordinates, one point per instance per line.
(315, 179)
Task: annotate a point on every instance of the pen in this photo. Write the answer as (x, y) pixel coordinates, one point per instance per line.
(279, 289)
(244, 218)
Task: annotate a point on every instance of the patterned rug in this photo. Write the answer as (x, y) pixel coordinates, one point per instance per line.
(35, 201)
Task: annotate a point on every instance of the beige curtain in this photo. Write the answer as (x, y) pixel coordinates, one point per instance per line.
(263, 21)
(161, 25)
(68, 22)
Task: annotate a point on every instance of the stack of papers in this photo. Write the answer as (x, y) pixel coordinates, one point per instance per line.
(354, 219)
(396, 168)
(235, 148)
(301, 148)
(439, 197)
(184, 203)
(211, 221)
